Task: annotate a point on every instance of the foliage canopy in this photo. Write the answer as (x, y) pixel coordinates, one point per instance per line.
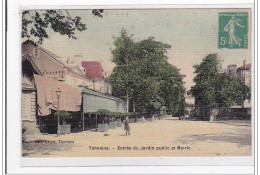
(63, 115)
(36, 22)
(143, 75)
(216, 89)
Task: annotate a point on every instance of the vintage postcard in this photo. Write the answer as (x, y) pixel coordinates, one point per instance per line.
(151, 82)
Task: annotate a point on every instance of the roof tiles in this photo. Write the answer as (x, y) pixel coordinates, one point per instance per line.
(93, 69)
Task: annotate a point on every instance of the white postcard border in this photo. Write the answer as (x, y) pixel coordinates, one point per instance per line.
(14, 160)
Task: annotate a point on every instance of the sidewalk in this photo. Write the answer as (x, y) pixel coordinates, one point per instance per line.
(182, 137)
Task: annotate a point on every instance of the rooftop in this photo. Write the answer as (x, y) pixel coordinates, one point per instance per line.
(93, 69)
(247, 67)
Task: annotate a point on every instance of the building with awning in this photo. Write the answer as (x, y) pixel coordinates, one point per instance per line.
(43, 75)
(47, 99)
(93, 101)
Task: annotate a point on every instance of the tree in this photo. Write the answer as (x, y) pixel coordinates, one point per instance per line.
(63, 115)
(143, 75)
(35, 23)
(122, 75)
(173, 89)
(215, 89)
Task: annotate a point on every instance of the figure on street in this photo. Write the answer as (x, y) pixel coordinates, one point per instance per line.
(127, 126)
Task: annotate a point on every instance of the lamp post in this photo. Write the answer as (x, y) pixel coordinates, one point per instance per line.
(58, 93)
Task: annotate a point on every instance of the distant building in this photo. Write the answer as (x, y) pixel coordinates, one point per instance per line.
(232, 69)
(94, 70)
(244, 73)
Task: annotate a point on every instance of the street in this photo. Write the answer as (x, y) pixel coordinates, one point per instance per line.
(169, 137)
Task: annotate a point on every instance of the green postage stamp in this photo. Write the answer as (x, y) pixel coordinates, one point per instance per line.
(233, 30)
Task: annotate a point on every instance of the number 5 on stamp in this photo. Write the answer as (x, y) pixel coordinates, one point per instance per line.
(233, 30)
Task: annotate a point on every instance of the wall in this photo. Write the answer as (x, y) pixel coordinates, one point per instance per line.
(29, 122)
(247, 74)
(29, 105)
(103, 86)
(76, 80)
(93, 101)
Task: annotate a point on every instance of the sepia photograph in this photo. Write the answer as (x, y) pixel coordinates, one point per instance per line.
(151, 82)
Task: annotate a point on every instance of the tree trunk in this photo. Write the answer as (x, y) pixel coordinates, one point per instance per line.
(127, 103)
(133, 104)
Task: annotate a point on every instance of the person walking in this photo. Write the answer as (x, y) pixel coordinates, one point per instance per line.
(143, 119)
(127, 126)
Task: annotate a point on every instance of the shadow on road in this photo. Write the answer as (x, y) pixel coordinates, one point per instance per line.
(243, 139)
(43, 147)
(235, 122)
(122, 135)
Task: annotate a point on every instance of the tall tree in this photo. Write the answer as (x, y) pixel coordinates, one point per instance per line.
(123, 74)
(216, 89)
(35, 23)
(142, 73)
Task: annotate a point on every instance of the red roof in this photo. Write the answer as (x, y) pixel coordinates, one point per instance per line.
(248, 67)
(93, 69)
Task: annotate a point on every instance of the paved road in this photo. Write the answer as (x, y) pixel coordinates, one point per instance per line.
(160, 138)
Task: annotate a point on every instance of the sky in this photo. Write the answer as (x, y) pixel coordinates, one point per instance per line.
(192, 34)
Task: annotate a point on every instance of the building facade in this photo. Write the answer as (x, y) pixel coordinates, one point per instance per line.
(51, 67)
(94, 70)
(232, 70)
(242, 72)
(28, 97)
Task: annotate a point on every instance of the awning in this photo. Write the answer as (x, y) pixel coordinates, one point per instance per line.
(70, 98)
(93, 101)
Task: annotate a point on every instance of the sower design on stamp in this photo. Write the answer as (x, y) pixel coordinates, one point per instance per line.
(233, 30)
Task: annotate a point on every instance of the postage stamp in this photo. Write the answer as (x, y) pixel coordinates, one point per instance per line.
(233, 30)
